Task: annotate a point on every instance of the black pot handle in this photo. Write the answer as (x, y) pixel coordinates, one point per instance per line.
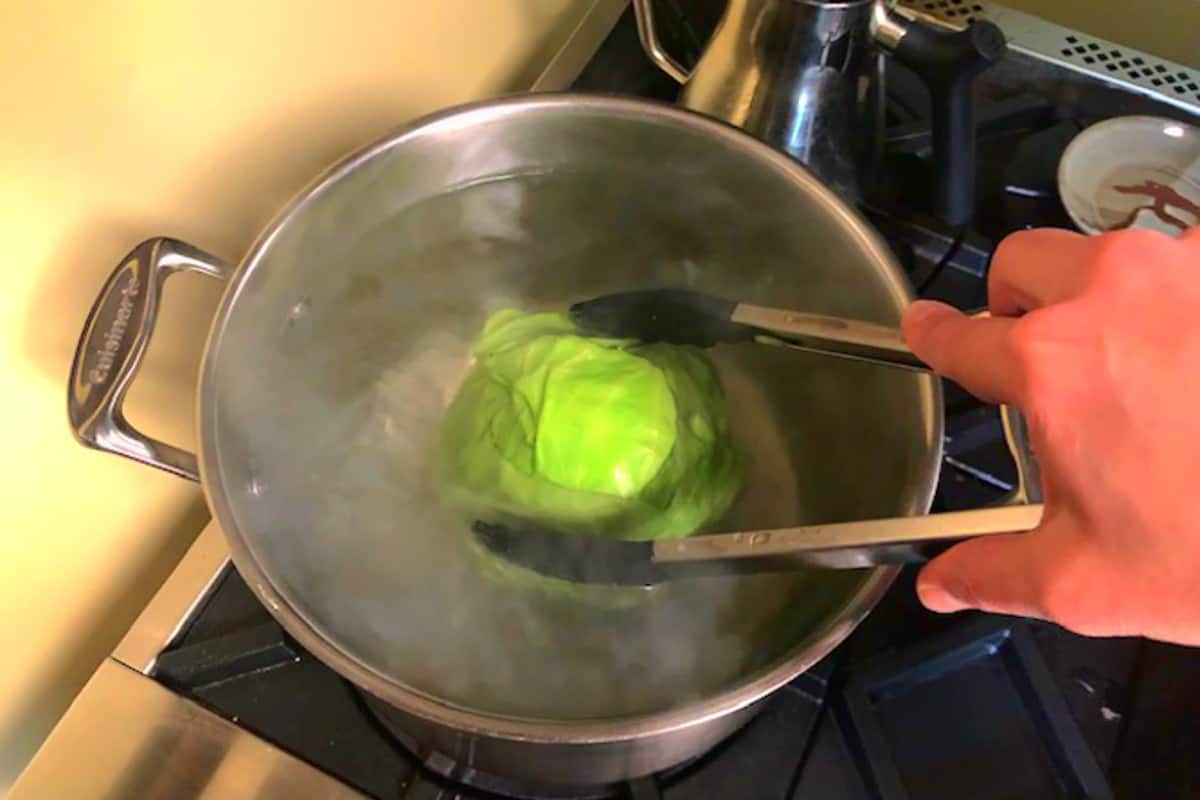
(948, 63)
(110, 351)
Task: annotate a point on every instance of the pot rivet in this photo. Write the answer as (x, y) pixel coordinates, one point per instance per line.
(299, 309)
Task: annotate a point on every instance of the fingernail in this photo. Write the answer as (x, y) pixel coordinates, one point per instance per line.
(921, 310)
(938, 598)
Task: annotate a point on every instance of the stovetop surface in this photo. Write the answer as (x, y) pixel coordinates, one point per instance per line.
(912, 705)
(808, 742)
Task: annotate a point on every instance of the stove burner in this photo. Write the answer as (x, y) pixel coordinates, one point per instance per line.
(236, 661)
(439, 768)
(759, 758)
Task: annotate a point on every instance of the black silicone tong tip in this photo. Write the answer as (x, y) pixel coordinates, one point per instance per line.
(675, 316)
(572, 557)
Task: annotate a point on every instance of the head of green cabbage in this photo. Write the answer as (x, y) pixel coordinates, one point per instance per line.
(593, 436)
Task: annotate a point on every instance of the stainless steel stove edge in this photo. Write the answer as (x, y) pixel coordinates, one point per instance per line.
(176, 602)
(126, 736)
(1086, 56)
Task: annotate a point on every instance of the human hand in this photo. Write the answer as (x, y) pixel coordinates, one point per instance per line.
(1097, 341)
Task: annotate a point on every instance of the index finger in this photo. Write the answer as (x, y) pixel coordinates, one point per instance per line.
(974, 352)
(1036, 268)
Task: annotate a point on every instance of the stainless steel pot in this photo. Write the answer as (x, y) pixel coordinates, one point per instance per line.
(345, 328)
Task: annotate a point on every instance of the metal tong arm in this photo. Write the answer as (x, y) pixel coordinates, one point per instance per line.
(864, 341)
(847, 544)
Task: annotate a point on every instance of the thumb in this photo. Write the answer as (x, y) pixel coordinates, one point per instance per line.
(1000, 574)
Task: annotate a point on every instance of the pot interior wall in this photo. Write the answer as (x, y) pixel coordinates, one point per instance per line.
(349, 330)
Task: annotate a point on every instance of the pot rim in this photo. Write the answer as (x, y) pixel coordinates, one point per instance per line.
(743, 691)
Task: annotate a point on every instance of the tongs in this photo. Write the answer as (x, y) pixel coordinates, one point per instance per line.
(682, 316)
(691, 318)
(846, 545)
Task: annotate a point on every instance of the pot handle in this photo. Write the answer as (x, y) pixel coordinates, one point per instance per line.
(1016, 435)
(643, 11)
(1029, 475)
(110, 351)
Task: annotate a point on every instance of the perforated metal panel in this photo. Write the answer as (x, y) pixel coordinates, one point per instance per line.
(1130, 68)
(1133, 66)
(959, 11)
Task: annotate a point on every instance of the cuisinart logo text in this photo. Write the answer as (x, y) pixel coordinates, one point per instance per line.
(115, 334)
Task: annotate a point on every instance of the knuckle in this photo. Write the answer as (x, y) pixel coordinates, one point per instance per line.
(1064, 599)
(967, 590)
(1044, 344)
(1118, 253)
(1027, 341)
(1024, 336)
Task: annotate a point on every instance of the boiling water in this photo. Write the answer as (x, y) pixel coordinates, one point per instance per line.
(372, 353)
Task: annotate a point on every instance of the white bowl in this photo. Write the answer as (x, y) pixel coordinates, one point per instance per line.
(1133, 172)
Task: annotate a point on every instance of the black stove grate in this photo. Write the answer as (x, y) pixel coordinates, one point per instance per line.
(236, 661)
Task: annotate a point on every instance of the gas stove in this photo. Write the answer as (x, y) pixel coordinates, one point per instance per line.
(912, 705)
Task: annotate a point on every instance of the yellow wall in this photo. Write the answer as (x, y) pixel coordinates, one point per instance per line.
(1166, 28)
(124, 119)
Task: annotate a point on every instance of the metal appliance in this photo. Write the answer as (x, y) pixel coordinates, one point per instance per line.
(808, 76)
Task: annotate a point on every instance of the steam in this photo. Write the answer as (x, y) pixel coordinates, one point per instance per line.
(347, 518)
